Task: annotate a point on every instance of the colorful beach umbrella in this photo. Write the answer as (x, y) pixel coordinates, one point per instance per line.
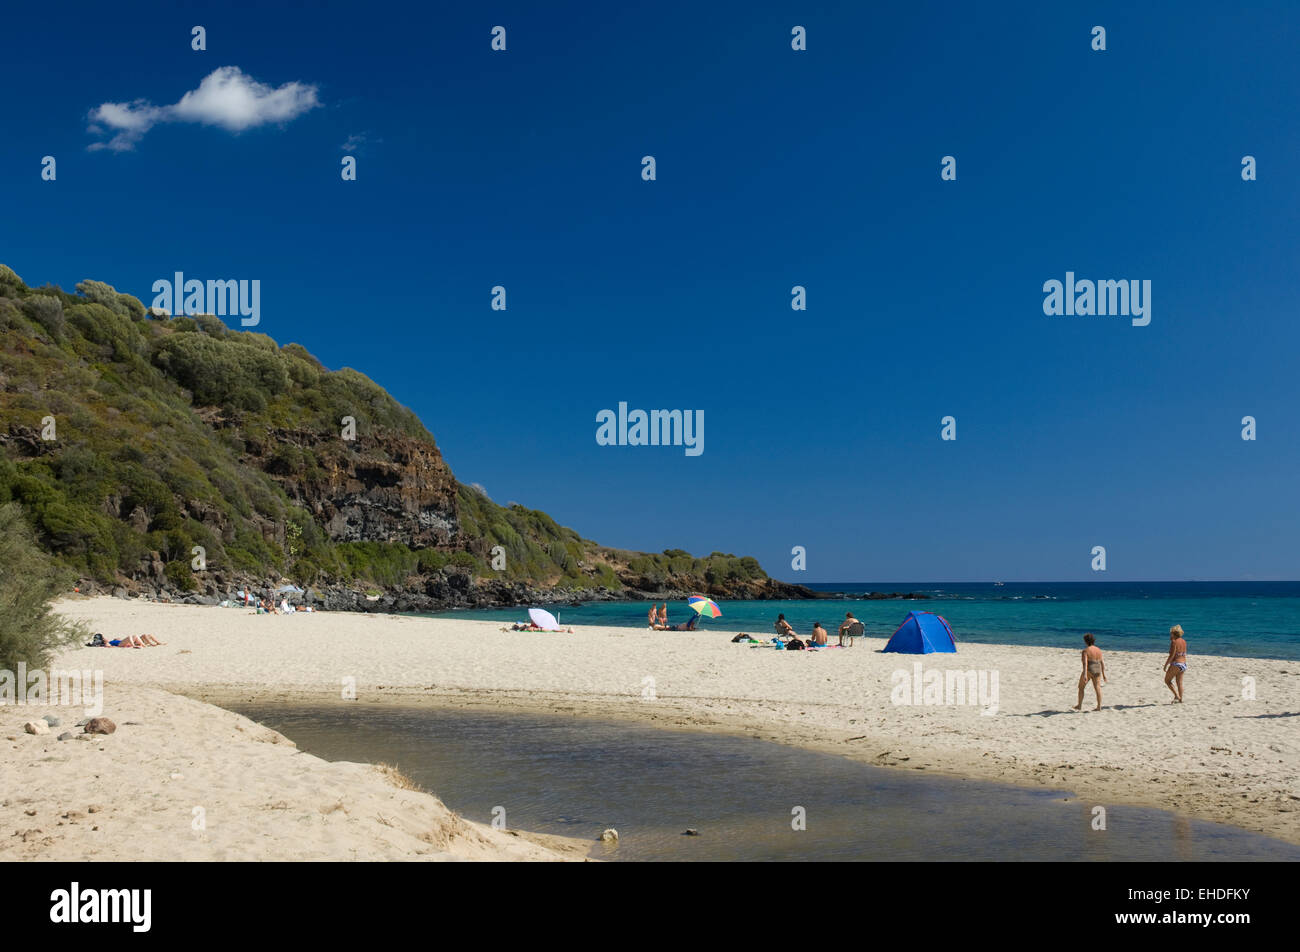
(704, 606)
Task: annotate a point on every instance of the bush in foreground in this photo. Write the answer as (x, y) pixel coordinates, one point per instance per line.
(29, 631)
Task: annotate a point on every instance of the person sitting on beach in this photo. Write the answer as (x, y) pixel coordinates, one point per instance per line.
(818, 634)
(652, 614)
(684, 626)
(663, 615)
(1094, 669)
(784, 628)
(1176, 663)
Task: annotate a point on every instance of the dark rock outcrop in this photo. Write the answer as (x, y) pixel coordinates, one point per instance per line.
(385, 488)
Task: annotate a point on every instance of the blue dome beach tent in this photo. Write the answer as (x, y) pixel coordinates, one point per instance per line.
(923, 633)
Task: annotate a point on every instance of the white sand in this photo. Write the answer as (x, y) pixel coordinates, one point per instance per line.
(1217, 757)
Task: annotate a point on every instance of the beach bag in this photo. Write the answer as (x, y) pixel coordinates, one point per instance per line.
(96, 642)
(794, 644)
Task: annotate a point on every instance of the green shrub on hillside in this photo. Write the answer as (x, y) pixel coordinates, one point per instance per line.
(48, 312)
(218, 374)
(101, 293)
(134, 306)
(384, 563)
(179, 574)
(211, 325)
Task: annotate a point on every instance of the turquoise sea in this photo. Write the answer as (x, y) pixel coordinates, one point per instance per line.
(1244, 619)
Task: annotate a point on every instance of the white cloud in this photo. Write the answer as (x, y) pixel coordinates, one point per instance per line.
(230, 99)
(227, 97)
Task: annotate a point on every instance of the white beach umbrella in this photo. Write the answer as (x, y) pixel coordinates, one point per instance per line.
(543, 619)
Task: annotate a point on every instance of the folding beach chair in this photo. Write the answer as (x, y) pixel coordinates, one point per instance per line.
(855, 630)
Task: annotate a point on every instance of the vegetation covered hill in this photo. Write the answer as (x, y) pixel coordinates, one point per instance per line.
(140, 447)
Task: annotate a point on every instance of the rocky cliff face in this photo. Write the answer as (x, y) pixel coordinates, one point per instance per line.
(385, 488)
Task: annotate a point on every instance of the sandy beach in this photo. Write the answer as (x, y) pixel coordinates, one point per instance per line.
(1219, 756)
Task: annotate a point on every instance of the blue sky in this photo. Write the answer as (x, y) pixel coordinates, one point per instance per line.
(775, 168)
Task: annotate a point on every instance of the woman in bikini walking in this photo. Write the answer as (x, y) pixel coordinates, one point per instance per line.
(1094, 669)
(1176, 663)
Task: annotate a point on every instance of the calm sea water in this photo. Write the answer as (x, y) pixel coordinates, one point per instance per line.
(576, 777)
(1244, 619)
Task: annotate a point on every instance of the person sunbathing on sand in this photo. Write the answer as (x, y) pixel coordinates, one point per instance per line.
(652, 614)
(663, 615)
(136, 641)
(1176, 663)
(1094, 669)
(819, 634)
